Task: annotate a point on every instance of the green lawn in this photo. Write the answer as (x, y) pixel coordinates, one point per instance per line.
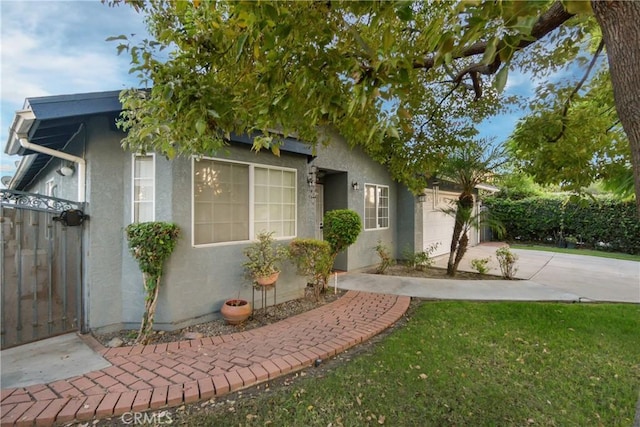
(472, 364)
(589, 252)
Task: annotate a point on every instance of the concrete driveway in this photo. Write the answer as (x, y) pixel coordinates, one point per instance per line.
(546, 276)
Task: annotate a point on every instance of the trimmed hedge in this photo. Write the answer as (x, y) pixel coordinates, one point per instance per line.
(600, 224)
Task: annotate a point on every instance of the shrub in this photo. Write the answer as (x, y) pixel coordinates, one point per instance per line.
(481, 265)
(420, 260)
(341, 229)
(386, 260)
(600, 223)
(507, 261)
(313, 259)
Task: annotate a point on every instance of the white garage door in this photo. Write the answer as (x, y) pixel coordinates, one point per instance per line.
(437, 226)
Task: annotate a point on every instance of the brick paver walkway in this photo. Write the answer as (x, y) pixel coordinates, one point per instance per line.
(156, 376)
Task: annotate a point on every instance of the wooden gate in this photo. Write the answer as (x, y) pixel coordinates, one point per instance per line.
(41, 270)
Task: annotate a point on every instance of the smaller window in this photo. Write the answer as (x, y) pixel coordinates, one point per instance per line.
(376, 206)
(50, 188)
(143, 200)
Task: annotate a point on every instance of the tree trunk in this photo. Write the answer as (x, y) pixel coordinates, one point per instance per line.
(150, 304)
(460, 238)
(462, 249)
(457, 230)
(619, 21)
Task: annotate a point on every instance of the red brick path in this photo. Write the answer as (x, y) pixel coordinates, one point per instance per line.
(156, 376)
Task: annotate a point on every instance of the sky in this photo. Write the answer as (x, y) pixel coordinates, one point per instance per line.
(60, 47)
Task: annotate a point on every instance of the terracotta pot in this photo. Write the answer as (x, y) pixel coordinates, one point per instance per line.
(268, 280)
(235, 311)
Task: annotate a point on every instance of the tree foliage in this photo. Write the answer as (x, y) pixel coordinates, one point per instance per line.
(572, 139)
(403, 79)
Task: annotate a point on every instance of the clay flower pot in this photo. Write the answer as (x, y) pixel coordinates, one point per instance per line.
(235, 311)
(268, 280)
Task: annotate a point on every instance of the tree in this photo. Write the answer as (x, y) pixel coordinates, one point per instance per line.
(468, 166)
(573, 137)
(299, 67)
(151, 244)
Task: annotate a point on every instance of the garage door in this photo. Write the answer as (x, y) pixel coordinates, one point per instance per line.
(438, 226)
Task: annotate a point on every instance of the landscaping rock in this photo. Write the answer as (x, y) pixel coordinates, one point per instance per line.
(115, 342)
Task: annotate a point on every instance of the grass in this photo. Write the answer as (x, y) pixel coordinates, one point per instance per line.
(589, 252)
(476, 364)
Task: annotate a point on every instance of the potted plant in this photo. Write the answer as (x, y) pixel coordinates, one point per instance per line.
(264, 258)
(235, 311)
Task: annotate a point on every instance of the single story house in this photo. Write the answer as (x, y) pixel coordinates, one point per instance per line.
(71, 149)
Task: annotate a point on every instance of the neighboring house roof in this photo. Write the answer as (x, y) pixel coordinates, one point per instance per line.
(488, 187)
(51, 121)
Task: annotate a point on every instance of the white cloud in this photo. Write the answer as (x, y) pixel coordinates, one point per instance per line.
(59, 47)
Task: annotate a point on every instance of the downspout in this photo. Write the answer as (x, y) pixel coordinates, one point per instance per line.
(82, 166)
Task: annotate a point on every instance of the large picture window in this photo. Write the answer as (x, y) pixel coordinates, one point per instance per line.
(232, 202)
(143, 200)
(376, 206)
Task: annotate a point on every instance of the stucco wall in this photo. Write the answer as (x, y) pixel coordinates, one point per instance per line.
(358, 167)
(199, 279)
(104, 232)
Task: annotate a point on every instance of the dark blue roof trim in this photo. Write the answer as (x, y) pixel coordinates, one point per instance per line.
(58, 117)
(83, 104)
(288, 144)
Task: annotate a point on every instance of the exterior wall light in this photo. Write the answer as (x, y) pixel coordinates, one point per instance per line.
(355, 185)
(65, 171)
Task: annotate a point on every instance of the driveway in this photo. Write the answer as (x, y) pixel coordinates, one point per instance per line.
(545, 276)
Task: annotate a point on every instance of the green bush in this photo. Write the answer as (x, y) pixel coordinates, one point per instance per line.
(420, 260)
(313, 259)
(481, 265)
(341, 229)
(599, 223)
(507, 261)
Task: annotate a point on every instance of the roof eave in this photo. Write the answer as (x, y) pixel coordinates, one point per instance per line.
(20, 127)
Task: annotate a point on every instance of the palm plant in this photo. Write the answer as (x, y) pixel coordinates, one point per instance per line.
(468, 166)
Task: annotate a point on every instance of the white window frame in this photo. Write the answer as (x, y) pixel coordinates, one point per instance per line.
(252, 230)
(377, 207)
(133, 185)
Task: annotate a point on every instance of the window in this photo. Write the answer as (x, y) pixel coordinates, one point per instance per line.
(234, 201)
(376, 206)
(50, 188)
(143, 200)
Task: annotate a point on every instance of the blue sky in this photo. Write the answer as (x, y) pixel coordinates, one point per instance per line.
(59, 47)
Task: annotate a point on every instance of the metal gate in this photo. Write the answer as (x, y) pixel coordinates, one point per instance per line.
(41, 270)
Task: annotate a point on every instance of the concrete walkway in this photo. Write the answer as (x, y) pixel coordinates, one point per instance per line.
(149, 377)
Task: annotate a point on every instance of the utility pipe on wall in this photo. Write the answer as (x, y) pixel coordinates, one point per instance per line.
(24, 142)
